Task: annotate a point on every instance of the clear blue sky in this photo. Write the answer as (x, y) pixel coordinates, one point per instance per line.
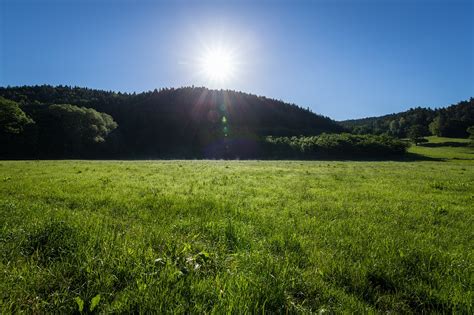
(343, 59)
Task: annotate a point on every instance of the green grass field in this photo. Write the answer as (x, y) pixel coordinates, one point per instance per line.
(239, 236)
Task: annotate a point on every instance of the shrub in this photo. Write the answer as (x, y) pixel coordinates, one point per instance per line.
(334, 145)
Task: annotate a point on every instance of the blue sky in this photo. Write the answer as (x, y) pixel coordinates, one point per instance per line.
(343, 59)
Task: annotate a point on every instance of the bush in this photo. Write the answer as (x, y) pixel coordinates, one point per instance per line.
(334, 145)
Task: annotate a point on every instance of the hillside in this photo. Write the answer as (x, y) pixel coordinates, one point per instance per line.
(450, 121)
(183, 122)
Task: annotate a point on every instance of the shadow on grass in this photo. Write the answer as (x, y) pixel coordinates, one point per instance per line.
(407, 157)
(413, 157)
(444, 144)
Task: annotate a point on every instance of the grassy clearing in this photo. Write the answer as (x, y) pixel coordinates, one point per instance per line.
(215, 236)
(445, 149)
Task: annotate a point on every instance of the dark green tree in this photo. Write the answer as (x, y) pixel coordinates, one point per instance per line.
(416, 133)
(12, 118)
(394, 129)
(79, 127)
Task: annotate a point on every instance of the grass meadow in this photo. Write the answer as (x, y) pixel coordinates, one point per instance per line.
(240, 236)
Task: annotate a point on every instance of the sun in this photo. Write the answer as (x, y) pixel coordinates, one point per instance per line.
(218, 65)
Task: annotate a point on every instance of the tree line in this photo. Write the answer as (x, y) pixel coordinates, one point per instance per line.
(58, 130)
(196, 122)
(189, 122)
(452, 121)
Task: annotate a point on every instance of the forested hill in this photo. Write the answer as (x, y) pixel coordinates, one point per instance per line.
(182, 122)
(451, 121)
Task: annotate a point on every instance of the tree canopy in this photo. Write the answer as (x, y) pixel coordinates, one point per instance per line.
(58, 130)
(81, 124)
(451, 121)
(12, 118)
(187, 122)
